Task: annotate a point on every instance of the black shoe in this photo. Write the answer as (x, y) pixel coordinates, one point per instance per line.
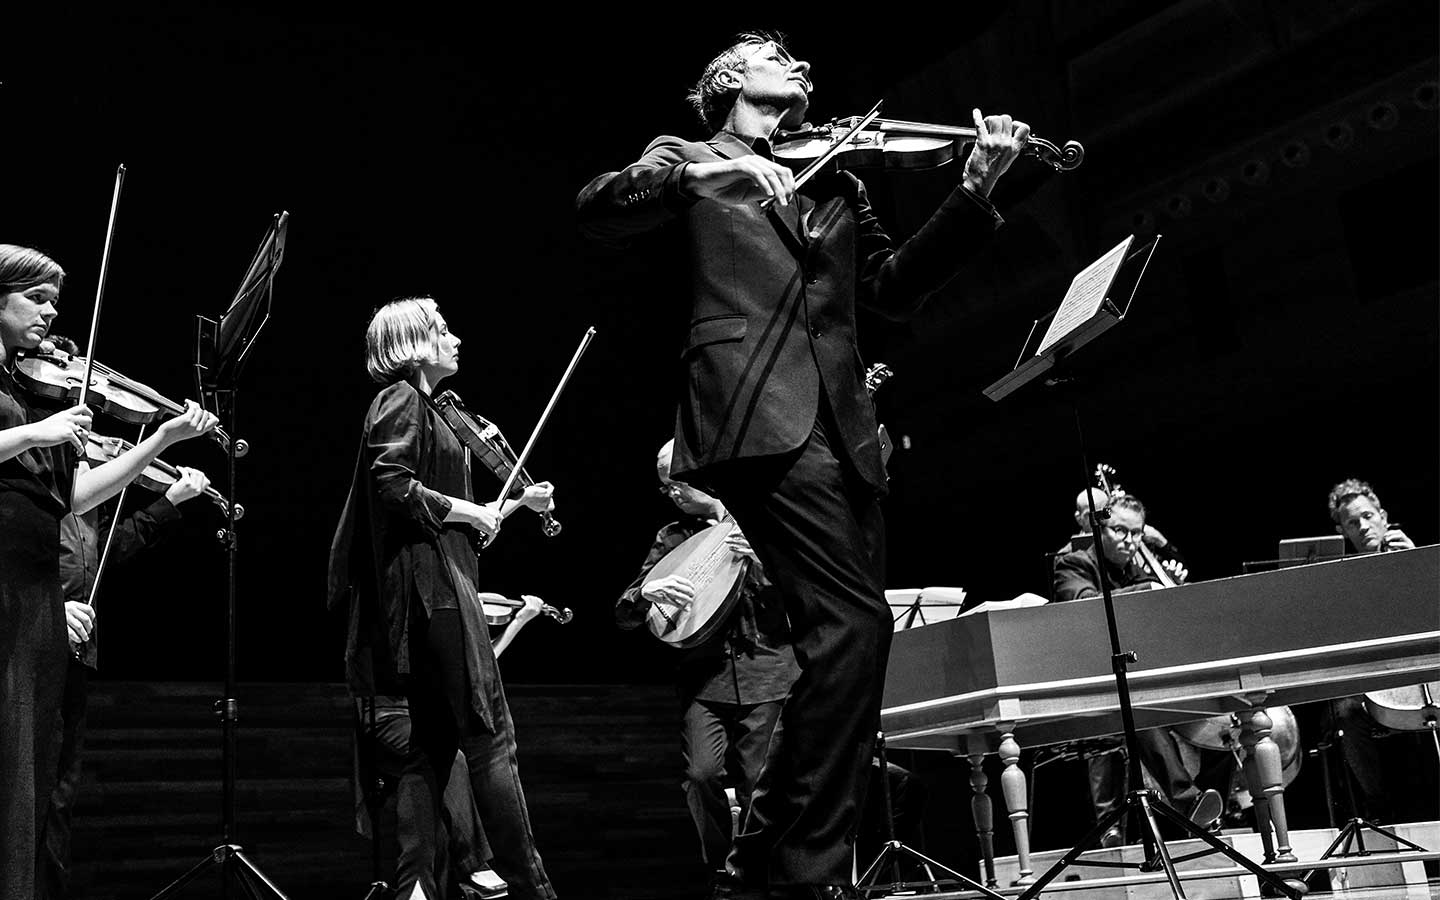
(725, 886)
(1207, 809)
(1112, 837)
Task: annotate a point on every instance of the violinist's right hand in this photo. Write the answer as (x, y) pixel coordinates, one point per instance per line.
(677, 590)
(79, 620)
(192, 423)
(745, 179)
(71, 425)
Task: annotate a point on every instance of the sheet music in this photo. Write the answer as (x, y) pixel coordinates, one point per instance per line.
(911, 608)
(1087, 291)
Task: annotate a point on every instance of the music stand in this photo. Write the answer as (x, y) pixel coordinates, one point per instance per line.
(912, 608)
(1088, 311)
(221, 348)
(927, 606)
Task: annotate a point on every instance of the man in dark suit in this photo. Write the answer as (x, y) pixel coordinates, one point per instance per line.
(774, 419)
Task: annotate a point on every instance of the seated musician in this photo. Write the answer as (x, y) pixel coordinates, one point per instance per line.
(1356, 511)
(732, 686)
(1077, 577)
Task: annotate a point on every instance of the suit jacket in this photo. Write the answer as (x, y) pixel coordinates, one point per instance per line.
(1077, 575)
(772, 298)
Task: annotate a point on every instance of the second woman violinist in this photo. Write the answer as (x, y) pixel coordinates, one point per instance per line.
(41, 479)
(403, 563)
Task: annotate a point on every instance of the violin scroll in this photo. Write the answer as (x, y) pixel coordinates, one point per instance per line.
(158, 476)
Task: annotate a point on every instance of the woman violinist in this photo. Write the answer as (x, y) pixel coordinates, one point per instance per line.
(40, 481)
(404, 563)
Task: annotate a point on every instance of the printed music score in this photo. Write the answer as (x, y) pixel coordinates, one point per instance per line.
(1088, 290)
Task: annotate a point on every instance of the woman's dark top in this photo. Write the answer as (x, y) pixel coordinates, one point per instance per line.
(394, 559)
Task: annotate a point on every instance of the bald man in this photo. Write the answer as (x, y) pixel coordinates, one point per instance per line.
(732, 686)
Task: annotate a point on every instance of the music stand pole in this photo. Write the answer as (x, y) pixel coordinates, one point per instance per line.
(217, 374)
(1122, 269)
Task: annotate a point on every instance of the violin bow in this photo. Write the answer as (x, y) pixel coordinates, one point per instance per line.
(809, 171)
(110, 532)
(100, 284)
(544, 416)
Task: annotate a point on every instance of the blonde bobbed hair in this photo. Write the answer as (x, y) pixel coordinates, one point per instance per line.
(402, 336)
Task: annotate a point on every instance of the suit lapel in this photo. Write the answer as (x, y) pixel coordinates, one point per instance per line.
(786, 220)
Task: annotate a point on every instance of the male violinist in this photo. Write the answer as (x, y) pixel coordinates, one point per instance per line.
(774, 418)
(732, 685)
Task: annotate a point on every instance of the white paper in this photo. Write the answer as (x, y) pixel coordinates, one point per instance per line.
(1087, 292)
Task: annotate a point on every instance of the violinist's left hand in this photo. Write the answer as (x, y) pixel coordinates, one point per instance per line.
(192, 423)
(191, 484)
(530, 610)
(999, 140)
(539, 496)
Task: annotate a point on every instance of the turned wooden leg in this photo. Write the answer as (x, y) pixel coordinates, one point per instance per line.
(1012, 783)
(1263, 771)
(984, 815)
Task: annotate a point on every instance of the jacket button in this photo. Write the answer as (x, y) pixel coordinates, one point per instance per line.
(815, 332)
(811, 278)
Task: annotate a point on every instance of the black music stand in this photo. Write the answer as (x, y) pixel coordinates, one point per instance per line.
(221, 349)
(896, 851)
(1049, 357)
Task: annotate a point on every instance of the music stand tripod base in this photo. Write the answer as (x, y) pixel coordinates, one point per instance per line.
(895, 850)
(230, 858)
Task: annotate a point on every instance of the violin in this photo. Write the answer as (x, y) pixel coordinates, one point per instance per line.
(872, 142)
(56, 375)
(485, 442)
(158, 476)
(501, 610)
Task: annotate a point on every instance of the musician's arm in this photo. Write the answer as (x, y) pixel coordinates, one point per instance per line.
(140, 529)
(1075, 577)
(618, 206)
(632, 608)
(392, 449)
(524, 614)
(896, 281)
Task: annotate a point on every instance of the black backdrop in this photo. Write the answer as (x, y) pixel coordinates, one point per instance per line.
(1286, 336)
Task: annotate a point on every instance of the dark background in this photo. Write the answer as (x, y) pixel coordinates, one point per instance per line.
(1284, 339)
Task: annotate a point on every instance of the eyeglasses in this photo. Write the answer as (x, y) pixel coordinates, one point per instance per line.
(1121, 532)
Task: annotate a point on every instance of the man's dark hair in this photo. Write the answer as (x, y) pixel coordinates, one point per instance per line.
(712, 99)
(1348, 490)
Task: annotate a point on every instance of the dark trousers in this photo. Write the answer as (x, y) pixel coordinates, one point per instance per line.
(443, 722)
(432, 851)
(1163, 757)
(55, 855)
(1361, 749)
(818, 530)
(33, 654)
(709, 734)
